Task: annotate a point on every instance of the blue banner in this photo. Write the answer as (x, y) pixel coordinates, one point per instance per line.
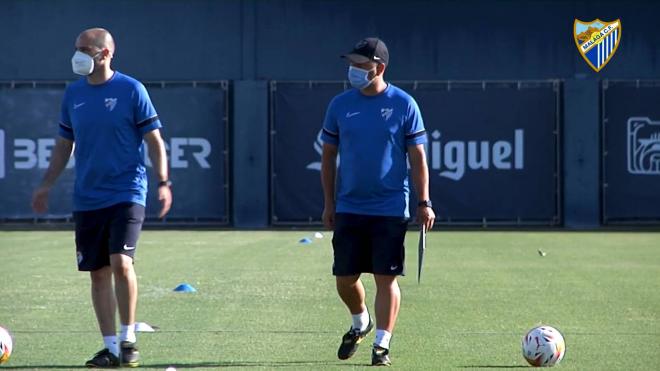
(492, 150)
(195, 126)
(631, 152)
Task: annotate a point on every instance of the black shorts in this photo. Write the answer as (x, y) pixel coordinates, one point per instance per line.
(111, 230)
(369, 244)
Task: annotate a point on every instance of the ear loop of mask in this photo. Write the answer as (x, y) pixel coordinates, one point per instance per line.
(97, 54)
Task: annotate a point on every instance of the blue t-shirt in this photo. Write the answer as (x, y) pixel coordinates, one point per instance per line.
(107, 123)
(373, 134)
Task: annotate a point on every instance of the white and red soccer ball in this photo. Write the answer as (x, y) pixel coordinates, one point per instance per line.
(543, 346)
(5, 345)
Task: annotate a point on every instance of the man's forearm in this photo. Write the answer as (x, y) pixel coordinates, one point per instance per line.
(421, 181)
(328, 175)
(419, 173)
(158, 158)
(58, 160)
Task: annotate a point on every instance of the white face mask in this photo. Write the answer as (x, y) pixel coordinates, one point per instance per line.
(82, 64)
(358, 77)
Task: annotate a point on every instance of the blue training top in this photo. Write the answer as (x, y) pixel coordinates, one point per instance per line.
(372, 134)
(107, 123)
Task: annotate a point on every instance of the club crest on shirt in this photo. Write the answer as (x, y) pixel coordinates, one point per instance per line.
(597, 41)
(110, 103)
(386, 113)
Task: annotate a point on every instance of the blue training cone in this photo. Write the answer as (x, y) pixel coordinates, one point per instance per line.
(305, 241)
(184, 287)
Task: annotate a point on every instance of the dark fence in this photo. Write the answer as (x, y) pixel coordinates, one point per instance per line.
(494, 150)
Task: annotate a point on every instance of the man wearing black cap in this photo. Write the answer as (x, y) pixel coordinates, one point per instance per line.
(377, 128)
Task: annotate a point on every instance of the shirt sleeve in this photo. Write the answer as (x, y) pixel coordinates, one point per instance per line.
(330, 131)
(415, 132)
(146, 118)
(65, 129)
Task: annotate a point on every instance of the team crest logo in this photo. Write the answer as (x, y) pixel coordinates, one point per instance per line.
(597, 41)
(386, 113)
(110, 103)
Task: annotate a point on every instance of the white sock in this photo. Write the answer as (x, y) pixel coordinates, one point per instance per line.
(127, 333)
(111, 343)
(383, 338)
(361, 320)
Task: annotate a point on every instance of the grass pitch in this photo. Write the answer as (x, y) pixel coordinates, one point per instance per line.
(265, 301)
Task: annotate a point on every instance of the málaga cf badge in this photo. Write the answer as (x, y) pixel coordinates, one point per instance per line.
(597, 41)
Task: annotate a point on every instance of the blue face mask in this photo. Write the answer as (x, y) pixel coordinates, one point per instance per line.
(358, 77)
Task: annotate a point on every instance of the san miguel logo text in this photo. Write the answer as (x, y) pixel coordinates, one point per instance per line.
(597, 41)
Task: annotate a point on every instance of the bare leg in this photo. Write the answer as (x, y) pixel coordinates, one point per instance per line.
(125, 287)
(351, 292)
(388, 300)
(103, 300)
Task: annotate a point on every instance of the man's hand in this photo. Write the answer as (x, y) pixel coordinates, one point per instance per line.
(329, 216)
(165, 198)
(40, 199)
(426, 216)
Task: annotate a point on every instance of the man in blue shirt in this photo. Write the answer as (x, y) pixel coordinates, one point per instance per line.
(107, 115)
(375, 128)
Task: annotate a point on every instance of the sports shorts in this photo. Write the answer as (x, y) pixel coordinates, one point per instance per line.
(368, 244)
(102, 232)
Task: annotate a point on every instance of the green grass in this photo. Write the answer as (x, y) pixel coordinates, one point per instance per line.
(264, 301)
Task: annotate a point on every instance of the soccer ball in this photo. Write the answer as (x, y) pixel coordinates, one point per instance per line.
(5, 345)
(543, 346)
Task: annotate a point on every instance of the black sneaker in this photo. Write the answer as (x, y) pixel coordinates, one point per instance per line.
(130, 357)
(103, 359)
(380, 356)
(351, 340)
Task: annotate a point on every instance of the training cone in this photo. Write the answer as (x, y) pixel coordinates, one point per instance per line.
(305, 241)
(184, 287)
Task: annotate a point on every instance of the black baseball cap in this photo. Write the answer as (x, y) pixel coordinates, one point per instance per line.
(369, 49)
